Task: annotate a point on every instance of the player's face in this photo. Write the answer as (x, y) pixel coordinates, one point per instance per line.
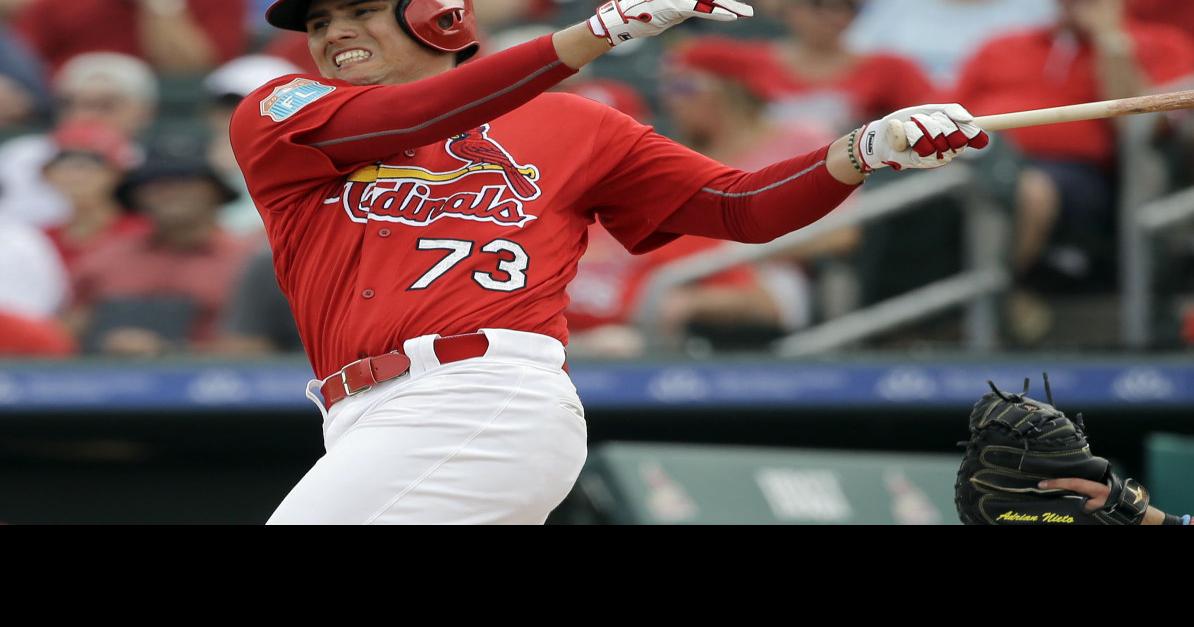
(360, 41)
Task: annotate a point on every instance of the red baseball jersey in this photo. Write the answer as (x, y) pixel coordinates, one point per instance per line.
(482, 229)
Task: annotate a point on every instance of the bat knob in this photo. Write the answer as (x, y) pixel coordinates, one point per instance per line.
(895, 135)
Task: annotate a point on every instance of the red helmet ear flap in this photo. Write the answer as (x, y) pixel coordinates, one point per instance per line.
(446, 25)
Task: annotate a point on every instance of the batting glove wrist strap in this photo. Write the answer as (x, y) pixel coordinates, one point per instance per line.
(619, 21)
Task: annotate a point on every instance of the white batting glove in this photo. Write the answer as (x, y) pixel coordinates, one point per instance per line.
(620, 21)
(928, 136)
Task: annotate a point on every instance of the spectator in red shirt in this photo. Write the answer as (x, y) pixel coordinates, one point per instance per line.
(144, 294)
(827, 82)
(609, 283)
(1093, 52)
(714, 90)
(1179, 13)
(175, 36)
(91, 161)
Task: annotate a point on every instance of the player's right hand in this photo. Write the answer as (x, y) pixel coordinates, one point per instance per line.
(927, 136)
(620, 21)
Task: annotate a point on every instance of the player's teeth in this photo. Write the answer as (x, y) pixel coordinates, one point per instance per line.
(352, 55)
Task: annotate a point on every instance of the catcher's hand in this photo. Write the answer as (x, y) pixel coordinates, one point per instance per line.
(1017, 442)
(928, 136)
(620, 21)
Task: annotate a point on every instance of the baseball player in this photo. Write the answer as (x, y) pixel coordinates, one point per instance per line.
(426, 220)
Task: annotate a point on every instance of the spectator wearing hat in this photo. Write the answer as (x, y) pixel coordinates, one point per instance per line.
(825, 81)
(116, 90)
(611, 93)
(164, 289)
(717, 92)
(714, 90)
(90, 163)
(225, 88)
(174, 36)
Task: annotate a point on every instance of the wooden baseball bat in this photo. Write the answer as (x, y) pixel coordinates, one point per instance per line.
(1069, 113)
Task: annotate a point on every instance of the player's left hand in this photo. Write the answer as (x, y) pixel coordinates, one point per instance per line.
(620, 21)
(934, 135)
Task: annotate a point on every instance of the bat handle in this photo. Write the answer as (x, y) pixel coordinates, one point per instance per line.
(896, 136)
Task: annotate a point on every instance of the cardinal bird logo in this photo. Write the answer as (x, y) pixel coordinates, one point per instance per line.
(476, 148)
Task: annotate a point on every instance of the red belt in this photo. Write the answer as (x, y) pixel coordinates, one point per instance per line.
(363, 374)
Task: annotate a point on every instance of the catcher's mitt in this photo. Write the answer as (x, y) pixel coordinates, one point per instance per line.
(1015, 442)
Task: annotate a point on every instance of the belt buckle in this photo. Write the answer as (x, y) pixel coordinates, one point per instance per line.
(344, 380)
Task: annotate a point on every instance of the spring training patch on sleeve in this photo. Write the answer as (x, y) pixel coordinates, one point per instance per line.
(287, 100)
(717, 192)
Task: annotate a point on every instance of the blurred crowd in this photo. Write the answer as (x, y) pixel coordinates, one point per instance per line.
(126, 229)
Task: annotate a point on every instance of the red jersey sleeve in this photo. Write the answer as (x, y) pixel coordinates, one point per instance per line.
(649, 190)
(639, 178)
(295, 129)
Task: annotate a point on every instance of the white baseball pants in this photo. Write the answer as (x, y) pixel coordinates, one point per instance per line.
(494, 439)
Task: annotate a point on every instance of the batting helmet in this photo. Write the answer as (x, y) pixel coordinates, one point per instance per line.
(444, 25)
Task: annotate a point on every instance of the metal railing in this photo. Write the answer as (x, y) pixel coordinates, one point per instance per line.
(1137, 263)
(985, 225)
(1142, 216)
